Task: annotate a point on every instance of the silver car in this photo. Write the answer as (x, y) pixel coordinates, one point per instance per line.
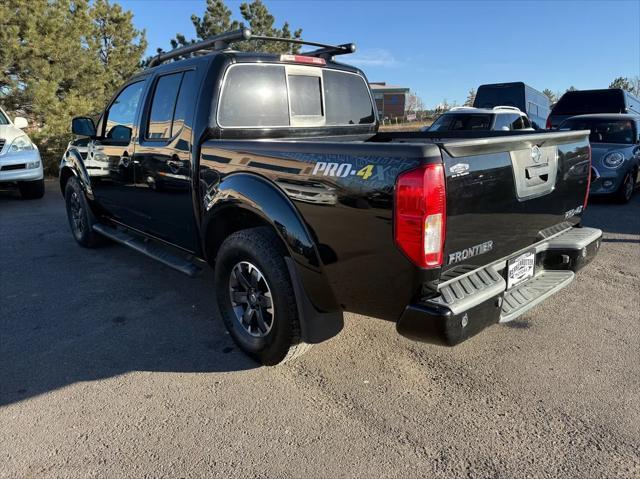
(498, 118)
(615, 151)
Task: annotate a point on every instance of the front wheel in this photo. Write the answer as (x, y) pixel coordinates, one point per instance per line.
(81, 218)
(31, 190)
(255, 296)
(624, 193)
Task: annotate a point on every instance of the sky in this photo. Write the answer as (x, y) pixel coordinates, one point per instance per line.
(441, 49)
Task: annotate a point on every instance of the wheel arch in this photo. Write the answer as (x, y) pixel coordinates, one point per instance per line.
(72, 165)
(244, 200)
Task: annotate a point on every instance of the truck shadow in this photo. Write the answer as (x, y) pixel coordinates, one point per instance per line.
(68, 314)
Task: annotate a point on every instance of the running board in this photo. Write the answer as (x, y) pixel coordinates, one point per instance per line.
(149, 249)
(521, 299)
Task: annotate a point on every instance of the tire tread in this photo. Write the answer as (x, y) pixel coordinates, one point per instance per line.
(263, 241)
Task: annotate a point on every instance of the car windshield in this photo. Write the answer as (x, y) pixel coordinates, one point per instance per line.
(602, 130)
(462, 121)
(3, 119)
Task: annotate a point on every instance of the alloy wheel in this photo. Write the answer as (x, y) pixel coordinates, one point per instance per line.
(251, 299)
(77, 214)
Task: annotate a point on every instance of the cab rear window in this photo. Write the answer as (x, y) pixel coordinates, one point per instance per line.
(255, 96)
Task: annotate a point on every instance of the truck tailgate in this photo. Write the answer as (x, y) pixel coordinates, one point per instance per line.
(507, 193)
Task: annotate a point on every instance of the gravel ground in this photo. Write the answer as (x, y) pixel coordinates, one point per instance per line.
(112, 365)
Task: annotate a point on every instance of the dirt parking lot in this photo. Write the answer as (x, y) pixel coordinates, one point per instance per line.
(112, 365)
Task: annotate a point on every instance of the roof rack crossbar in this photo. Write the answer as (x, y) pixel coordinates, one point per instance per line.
(216, 42)
(224, 40)
(325, 51)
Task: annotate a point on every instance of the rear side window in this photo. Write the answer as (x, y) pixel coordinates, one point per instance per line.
(293, 95)
(169, 105)
(508, 122)
(184, 103)
(517, 123)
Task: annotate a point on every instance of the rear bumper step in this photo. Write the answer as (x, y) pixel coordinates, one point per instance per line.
(149, 249)
(468, 304)
(524, 297)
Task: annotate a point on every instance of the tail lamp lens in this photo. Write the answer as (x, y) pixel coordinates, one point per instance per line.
(420, 215)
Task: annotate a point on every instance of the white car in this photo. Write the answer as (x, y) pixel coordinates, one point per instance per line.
(465, 118)
(19, 158)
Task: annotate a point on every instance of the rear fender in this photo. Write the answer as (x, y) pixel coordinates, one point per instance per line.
(249, 192)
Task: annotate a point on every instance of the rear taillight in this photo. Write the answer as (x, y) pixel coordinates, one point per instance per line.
(586, 194)
(420, 215)
(549, 122)
(303, 59)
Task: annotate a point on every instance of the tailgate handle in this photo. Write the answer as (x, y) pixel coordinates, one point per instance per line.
(537, 174)
(535, 170)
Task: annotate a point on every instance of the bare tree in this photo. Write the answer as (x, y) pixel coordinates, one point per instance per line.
(635, 84)
(413, 105)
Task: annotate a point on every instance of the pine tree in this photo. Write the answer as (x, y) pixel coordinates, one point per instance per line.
(217, 19)
(550, 95)
(622, 82)
(63, 58)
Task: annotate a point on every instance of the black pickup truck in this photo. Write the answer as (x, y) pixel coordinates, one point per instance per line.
(271, 169)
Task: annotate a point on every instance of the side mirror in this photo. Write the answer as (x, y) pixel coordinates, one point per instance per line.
(20, 122)
(83, 126)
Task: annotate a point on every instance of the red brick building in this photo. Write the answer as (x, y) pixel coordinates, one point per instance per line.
(390, 99)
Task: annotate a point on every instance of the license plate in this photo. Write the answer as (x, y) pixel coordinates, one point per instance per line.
(520, 269)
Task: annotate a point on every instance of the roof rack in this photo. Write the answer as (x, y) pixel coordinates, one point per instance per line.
(224, 41)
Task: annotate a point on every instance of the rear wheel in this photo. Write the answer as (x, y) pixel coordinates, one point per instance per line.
(31, 190)
(625, 192)
(255, 296)
(81, 218)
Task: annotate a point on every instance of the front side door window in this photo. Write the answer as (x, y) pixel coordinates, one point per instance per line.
(120, 118)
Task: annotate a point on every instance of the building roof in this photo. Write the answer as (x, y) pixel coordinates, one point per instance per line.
(383, 87)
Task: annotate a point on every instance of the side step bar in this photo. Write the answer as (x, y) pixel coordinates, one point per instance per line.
(148, 248)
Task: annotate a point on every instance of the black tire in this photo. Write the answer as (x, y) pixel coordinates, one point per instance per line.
(261, 249)
(625, 192)
(81, 218)
(31, 190)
